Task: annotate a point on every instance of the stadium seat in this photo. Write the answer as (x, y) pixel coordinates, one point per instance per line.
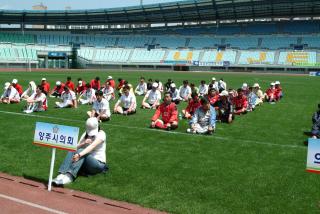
(256, 57)
(297, 57)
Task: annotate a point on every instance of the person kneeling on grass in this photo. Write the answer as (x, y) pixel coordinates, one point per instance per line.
(127, 103)
(100, 108)
(315, 132)
(68, 98)
(169, 113)
(37, 102)
(90, 157)
(204, 119)
(10, 94)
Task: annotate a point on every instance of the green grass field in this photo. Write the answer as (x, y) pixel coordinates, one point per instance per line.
(255, 165)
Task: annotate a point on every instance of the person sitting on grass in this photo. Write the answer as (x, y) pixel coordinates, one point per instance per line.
(126, 104)
(126, 84)
(32, 88)
(57, 90)
(17, 86)
(270, 93)
(90, 157)
(194, 89)
(46, 86)
(69, 99)
(100, 108)
(174, 94)
(193, 104)
(240, 103)
(185, 91)
(252, 100)
(224, 108)
(168, 112)
(95, 83)
(69, 84)
(203, 88)
(152, 98)
(213, 96)
(37, 102)
(108, 92)
(149, 84)
(259, 93)
(315, 131)
(141, 88)
(204, 119)
(88, 96)
(81, 87)
(278, 91)
(10, 94)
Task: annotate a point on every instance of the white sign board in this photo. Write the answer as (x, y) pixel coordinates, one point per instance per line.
(313, 159)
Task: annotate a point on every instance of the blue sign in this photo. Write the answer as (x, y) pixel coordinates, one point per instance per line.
(57, 54)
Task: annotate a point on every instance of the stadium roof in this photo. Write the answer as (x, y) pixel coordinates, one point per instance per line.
(180, 11)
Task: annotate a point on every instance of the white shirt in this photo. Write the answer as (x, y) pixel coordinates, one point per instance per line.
(29, 92)
(203, 89)
(153, 96)
(175, 94)
(99, 152)
(101, 106)
(11, 93)
(215, 85)
(142, 88)
(108, 91)
(222, 85)
(128, 101)
(42, 99)
(68, 96)
(89, 94)
(184, 91)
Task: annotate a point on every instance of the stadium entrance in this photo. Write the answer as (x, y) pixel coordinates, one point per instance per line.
(54, 59)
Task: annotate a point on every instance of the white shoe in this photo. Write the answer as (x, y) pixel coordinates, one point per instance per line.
(188, 130)
(67, 179)
(28, 111)
(58, 179)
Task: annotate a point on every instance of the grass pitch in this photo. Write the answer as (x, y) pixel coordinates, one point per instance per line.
(255, 165)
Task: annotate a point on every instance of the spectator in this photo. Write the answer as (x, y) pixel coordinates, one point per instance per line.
(203, 88)
(252, 99)
(152, 98)
(57, 90)
(95, 83)
(185, 91)
(37, 102)
(222, 85)
(30, 91)
(160, 85)
(193, 104)
(194, 89)
(88, 96)
(10, 94)
(120, 83)
(213, 96)
(168, 112)
(141, 88)
(204, 119)
(126, 84)
(214, 84)
(69, 84)
(100, 108)
(259, 93)
(17, 86)
(127, 103)
(315, 131)
(278, 91)
(167, 85)
(68, 98)
(240, 103)
(225, 108)
(90, 157)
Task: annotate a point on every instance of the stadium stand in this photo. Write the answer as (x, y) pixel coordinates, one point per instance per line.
(256, 57)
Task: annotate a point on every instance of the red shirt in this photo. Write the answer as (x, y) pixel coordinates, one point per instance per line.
(121, 83)
(240, 102)
(169, 113)
(270, 92)
(112, 83)
(95, 84)
(192, 106)
(19, 88)
(213, 99)
(46, 86)
(70, 85)
(59, 89)
(81, 89)
(278, 92)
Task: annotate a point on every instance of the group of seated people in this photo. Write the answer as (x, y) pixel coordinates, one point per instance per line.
(206, 104)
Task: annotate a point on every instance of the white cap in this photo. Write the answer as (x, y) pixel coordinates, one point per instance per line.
(43, 79)
(244, 86)
(256, 85)
(173, 85)
(6, 85)
(109, 78)
(213, 78)
(58, 83)
(277, 83)
(80, 82)
(155, 85)
(92, 126)
(224, 93)
(272, 83)
(14, 81)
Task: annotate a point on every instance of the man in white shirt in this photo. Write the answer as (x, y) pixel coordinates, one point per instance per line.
(141, 89)
(37, 102)
(152, 98)
(160, 85)
(203, 88)
(214, 84)
(10, 94)
(100, 108)
(174, 94)
(222, 85)
(185, 91)
(108, 92)
(126, 104)
(88, 96)
(68, 98)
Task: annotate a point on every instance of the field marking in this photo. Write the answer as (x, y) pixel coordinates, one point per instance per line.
(158, 130)
(17, 200)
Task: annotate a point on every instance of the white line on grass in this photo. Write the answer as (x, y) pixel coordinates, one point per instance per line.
(158, 130)
(31, 204)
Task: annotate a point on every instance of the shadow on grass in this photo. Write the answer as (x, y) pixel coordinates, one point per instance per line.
(43, 181)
